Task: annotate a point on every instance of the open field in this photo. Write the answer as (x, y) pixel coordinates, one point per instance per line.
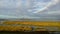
(34, 23)
(29, 25)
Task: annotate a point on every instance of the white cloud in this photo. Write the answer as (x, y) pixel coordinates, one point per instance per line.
(10, 3)
(52, 3)
(53, 13)
(50, 9)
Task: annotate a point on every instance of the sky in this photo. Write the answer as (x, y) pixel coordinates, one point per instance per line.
(40, 9)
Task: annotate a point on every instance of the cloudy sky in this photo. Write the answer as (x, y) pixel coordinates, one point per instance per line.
(41, 9)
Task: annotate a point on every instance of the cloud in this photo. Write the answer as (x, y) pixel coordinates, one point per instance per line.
(52, 3)
(10, 3)
(51, 10)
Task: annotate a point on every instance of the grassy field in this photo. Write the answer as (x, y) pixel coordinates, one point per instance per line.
(35, 23)
(27, 25)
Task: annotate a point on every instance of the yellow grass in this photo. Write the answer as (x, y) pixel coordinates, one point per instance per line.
(35, 23)
(10, 26)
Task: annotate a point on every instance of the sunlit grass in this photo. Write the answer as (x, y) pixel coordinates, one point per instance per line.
(9, 25)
